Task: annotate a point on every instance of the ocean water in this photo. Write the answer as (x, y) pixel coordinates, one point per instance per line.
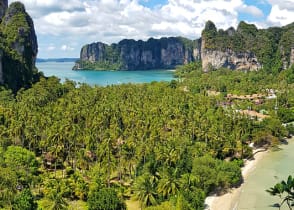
(63, 70)
(273, 168)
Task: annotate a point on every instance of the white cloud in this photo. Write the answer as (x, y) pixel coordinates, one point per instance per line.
(111, 20)
(66, 48)
(77, 22)
(50, 48)
(283, 4)
(282, 12)
(252, 10)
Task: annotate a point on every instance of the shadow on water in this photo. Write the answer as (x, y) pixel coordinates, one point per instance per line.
(276, 205)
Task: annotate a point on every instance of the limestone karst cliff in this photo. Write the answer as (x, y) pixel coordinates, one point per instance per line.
(247, 48)
(3, 7)
(292, 56)
(244, 48)
(161, 53)
(18, 47)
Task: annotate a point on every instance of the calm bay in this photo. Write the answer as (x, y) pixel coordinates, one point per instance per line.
(273, 168)
(63, 70)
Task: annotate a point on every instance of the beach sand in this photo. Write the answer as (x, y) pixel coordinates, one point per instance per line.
(229, 201)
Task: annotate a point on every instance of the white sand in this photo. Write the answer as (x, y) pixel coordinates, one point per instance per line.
(229, 201)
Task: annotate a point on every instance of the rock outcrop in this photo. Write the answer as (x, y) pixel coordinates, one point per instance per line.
(214, 59)
(292, 57)
(245, 48)
(164, 53)
(19, 47)
(3, 7)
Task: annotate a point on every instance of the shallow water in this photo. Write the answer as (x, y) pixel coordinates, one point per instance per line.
(63, 70)
(271, 169)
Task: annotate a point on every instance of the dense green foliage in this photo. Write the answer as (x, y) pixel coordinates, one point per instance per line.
(164, 144)
(105, 199)
(24, 201)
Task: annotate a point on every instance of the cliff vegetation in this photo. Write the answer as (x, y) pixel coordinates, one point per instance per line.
(164, 53)
(271, 47)
(246, 48)
(19, 48)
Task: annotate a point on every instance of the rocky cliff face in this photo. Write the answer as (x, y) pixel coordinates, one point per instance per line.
(3, 7)
(245, 48)
(292, 57)
(93, 52)
(214, 59)
(161, 53)
(19, 47)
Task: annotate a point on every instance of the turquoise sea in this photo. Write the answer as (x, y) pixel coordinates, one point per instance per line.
(63, 70)
(273, 168)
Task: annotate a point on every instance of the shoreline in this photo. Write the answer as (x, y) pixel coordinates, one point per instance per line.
(229, 200)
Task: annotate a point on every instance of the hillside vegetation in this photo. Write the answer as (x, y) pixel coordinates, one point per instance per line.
(163, 144)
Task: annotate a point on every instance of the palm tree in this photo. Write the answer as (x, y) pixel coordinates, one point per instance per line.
(58, 202)
(169, 184)
(54, 192)
(106, 156)
(189, 182)
(145, 191)
(284, 188)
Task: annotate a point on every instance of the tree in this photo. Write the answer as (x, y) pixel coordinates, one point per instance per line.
(285, 190)
(169, 184)
(24, 201)
(8, 183)
(145, 191)
(22, 161)
(54, 191)
(194, 198)
(105, 199)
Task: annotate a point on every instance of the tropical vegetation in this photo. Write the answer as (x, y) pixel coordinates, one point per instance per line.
(164, 144)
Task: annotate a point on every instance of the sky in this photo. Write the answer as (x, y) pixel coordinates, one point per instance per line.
(64, 26)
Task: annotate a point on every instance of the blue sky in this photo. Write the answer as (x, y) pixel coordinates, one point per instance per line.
(63, 27)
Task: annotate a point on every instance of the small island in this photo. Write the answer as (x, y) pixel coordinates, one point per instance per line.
(164, 53)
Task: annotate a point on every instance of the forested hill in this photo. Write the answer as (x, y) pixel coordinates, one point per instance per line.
(18, 47)
(244, 48)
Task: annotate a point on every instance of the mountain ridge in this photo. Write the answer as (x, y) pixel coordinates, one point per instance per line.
(244, 48)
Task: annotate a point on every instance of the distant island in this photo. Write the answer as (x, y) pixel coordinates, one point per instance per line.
(164, 53)
(59, 60)
(244, 48)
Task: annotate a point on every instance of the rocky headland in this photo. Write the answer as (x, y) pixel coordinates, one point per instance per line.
(244, 48)
(18, 46)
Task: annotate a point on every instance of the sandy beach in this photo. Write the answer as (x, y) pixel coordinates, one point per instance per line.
(229, 201)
